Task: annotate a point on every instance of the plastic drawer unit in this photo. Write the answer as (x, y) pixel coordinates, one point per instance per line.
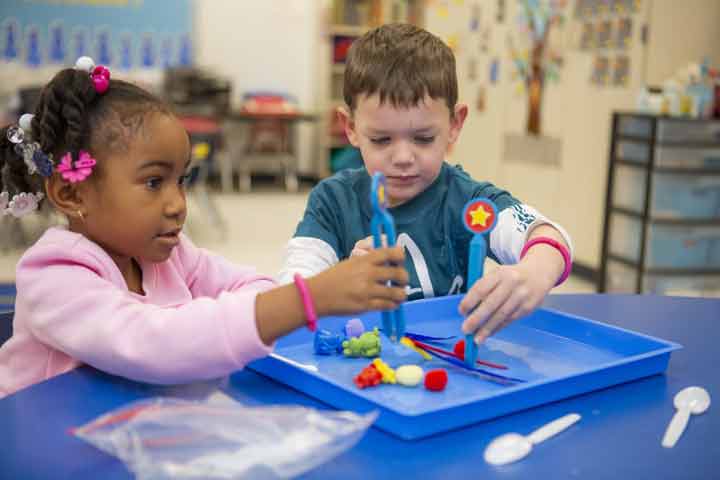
(673, 195)
(662, 213)
(623, 279)
(667, 246)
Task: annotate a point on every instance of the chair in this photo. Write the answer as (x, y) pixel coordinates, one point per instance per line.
(205, 136)
(6, 319)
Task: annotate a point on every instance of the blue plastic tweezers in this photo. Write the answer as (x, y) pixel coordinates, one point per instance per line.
(476, 261)
(382, 222)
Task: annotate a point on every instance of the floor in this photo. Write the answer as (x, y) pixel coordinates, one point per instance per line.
(257, 226)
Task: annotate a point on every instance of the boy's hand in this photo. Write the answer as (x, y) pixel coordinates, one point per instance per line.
(502, 296)
(364, 246)
(359, 284)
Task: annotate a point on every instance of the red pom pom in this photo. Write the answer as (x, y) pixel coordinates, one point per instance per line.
(436, 380)
(368, 377)
(459, 349)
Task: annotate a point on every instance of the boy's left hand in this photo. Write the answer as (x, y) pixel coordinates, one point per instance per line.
(502, 296)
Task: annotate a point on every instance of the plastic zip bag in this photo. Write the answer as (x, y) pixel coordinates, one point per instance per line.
(171, 438)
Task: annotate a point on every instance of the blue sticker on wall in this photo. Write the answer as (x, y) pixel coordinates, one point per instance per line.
(10, 36)
(185, 57)
(147, 51)
(494, 70)
(58, 50)
(126, 52)
(80, 42)
(166, 52)
(103, 55)
(32, 47)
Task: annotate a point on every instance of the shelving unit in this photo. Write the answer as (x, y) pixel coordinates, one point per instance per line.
(348, 20)
(662, 215)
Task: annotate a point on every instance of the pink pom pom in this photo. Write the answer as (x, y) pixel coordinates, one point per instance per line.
(101, 84)
(101, 78)
(101, 70)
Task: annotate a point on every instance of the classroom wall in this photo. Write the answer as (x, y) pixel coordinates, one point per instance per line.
(267, 45)
(575, 112)
(682, 30)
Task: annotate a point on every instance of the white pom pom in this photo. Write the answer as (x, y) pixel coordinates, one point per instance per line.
(85, 63)
(25, 121)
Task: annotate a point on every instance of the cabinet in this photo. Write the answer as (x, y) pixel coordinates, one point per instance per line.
(348, 20)
(662, 215)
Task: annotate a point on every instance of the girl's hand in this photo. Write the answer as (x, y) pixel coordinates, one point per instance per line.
(502, 296)
(359, 283)
(364, 246)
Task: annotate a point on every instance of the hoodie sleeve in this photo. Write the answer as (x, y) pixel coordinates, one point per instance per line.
(76, 307)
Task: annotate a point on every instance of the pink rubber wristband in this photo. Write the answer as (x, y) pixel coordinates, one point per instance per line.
(307, 302)
(559, 247)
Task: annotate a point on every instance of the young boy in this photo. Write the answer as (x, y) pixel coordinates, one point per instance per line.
(402, 113)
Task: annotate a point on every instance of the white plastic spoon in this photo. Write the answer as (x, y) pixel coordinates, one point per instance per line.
(689, 400)
(304, 366)
(511, 447)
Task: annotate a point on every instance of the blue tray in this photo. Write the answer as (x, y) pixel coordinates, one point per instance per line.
(559, 355)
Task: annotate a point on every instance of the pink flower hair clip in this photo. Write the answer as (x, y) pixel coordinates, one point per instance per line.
(76, 171)
(99, 75)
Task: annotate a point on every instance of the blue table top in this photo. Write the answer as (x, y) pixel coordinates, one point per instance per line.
(618, 436)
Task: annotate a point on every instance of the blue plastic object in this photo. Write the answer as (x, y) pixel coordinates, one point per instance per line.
(559, 356)
(393, 324)
(428, 338)
(476, 256)
(493, 377)
(327, 342)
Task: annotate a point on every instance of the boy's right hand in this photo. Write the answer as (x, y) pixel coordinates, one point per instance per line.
(359, 283)
(365, 246)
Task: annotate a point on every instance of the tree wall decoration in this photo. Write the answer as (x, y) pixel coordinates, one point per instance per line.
(536, 61)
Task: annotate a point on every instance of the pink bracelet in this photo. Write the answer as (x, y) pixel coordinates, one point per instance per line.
(559, 247)
(307, 302)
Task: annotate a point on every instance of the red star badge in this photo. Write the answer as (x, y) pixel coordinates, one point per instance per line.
(479, 215)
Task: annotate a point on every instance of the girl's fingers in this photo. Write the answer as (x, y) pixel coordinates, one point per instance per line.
(394, 274)
(479, 292)
(379, 304)
(383, 292)
(392, 255)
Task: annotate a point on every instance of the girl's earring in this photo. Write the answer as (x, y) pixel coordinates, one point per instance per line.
(80, 214)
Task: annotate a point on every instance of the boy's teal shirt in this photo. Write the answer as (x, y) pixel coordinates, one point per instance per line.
(429, 226)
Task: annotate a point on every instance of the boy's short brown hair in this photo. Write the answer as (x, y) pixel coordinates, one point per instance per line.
(402, 63)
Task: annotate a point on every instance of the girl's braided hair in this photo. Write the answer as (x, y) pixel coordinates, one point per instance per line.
(71, 116)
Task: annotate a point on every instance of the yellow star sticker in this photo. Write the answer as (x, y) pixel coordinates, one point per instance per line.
(381, 195)
(479, 216)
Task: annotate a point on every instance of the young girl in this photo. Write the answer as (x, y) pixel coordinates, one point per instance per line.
(121, 288)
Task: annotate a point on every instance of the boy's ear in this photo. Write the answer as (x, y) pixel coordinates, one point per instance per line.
(65, 196)
(457, 120)
(348, 124)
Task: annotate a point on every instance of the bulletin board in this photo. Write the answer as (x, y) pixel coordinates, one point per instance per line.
(124, 34)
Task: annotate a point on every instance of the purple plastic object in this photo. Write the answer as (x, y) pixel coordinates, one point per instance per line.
(354, 328)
